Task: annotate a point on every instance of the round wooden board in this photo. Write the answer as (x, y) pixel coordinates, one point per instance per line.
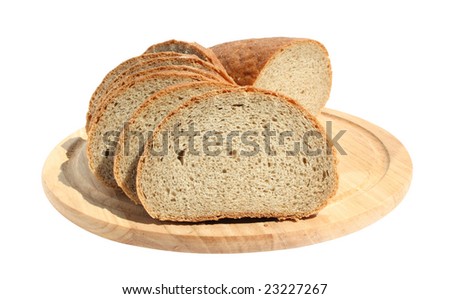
(374, 175)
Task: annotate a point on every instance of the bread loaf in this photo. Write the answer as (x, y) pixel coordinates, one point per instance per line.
(298, 68)
(173, 130)
(259, 172)
(143, 122)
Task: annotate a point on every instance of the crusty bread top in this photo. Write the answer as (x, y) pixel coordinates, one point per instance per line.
(244, 59)
(190, 48)
(182, 47)
(298, 68)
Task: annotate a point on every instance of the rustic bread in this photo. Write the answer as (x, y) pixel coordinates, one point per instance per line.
(299, 68)
(190, 48)
(115, 112)
(146, 62)
(236, 181)
(136, 75)
(143, 122)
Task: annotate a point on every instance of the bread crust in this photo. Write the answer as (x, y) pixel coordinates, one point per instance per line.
(194, 100)
(245, 60)
(202, 52)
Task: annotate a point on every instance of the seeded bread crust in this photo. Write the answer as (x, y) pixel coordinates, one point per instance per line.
(100, 165)
(144, 120)
(268, 214)
(190, 48)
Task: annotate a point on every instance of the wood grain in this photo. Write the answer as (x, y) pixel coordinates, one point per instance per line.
(375, 174)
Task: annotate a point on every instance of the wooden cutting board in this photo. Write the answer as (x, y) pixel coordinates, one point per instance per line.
(374, 176)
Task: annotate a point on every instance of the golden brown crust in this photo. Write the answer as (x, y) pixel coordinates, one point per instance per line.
(192, 48)
(194, 100)
(244, 59)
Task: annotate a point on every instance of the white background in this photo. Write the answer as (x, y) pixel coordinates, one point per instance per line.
(390, 64)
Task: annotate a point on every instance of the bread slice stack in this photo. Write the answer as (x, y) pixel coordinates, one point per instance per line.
(175, 46)
(150, 62)
(175, 130)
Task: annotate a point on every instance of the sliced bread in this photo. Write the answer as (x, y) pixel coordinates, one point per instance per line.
(190, 48)
(184, 60)
(123, 80)
(299, 68)
(146, 62)
(246, 153)
(142, 124)
(115, 112)
(112, 75)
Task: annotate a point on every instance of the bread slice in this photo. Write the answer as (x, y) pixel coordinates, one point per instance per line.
(299, 68)
(115, 112)
(147, 62)
(190, 48)
(204, 177)
(117, 71)
(143, 122)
